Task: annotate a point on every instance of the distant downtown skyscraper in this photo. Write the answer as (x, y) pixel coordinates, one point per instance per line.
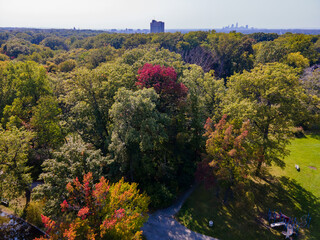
(156, 27)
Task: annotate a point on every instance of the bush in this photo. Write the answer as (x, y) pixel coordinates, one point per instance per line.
(67, 66)
(160, 195)
(298, 132)
(4, 57)
(51, 67)
(33, 213)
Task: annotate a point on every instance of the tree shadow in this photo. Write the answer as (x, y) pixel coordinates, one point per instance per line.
(288, 196)
(247, 217)
(315, 135)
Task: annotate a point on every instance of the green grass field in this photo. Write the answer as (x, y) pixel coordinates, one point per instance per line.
(294, 193)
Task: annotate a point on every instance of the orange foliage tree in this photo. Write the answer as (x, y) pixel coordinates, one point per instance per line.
(229, 151)
(99, 211)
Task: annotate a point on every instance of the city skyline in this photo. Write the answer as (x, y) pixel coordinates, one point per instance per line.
(179, 14)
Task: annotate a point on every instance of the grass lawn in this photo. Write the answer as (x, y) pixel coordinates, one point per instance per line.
(294, 193)
(306, 153)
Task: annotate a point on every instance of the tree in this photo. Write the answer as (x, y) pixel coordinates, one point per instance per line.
(73, 159)
(229, 153)
(138, 134)
(228, 149)
(99, 211)
(45, 122)
(67, 66)
(90, 95)
(301, 43)
(97, 56)
(204, 98)
(231, 53)
(311, 83)
(27, 82)
(261, 36)
(167, 40)
(7, 87)
(296, 60)
(164, 81)
(271, 51)
(270, 96)
(14, 172)
(55, 43)
(15, 46)
(277, 50)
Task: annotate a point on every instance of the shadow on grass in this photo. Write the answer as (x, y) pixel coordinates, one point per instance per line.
(315, 135)
(246, 217)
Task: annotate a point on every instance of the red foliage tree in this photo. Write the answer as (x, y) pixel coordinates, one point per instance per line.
(164, 81)
(99, 211)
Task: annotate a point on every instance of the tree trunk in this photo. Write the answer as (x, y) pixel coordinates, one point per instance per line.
(218, 190)
(28, 196)
(131, 169)
(226, 195)
(257, 173)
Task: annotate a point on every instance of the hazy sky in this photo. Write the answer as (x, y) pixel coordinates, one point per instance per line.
(106, 14)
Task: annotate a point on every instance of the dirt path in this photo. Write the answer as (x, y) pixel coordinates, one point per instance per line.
(161, 225)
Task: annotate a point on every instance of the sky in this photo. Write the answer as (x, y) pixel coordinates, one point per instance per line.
(177, 14)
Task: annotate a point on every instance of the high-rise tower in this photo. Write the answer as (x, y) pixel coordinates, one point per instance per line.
(156, 27)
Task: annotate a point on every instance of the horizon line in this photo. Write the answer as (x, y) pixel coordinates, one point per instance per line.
(105, 29)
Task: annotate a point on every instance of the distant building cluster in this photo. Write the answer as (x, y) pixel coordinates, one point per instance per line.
(128, 30)
(156, 26)
(236, 27)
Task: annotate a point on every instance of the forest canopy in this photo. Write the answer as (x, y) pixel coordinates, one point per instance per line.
(145, 113)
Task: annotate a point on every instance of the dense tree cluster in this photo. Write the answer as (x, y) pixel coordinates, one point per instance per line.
(148, 112)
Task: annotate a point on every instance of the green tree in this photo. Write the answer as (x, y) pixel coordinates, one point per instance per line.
(89, 97)
(296, 60)
(311, 84)
(27, 82)
(271, 51)
(270, 96)
(302, 43)
(15, 46)
(231, 53)
(277, 50)
(167, 40)
(67, 66)
(138, 133)
(55, 43)
(7, 87)
(45, 122)
(72, 160)
(14, 172)
(204, 100)
(260, 36)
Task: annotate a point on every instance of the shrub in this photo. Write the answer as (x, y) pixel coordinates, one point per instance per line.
(298, 132)
(33, 213)
(160, 195)
(4, 57)
(67, 66)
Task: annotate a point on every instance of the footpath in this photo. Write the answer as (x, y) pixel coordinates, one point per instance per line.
(161, 225)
